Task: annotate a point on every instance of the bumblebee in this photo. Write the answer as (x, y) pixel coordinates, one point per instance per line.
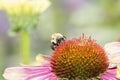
(56, 39)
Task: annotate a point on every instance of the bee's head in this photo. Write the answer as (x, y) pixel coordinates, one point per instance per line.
(57, 38)
(60, 39)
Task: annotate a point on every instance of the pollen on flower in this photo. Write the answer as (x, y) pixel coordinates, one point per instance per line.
(80, 58)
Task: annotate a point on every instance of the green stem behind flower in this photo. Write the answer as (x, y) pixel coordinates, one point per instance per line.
(25, 46)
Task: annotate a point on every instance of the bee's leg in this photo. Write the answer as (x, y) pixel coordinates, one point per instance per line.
(52, 47)
(54, 44)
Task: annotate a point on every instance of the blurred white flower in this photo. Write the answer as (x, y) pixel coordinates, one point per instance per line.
(24, 6)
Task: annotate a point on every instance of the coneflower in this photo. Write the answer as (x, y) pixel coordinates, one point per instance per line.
(76, 59)
(80, 58)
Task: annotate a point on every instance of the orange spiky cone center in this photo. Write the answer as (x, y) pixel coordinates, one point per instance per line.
(79, 59)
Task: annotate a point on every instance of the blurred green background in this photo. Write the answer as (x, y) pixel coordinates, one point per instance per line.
(99, 19)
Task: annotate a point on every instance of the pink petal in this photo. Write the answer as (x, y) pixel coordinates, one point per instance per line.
(43, 72)
(113, 51)
(112, 48)
(45, 57)
(38, 76)
(14, 73)
(109, 75)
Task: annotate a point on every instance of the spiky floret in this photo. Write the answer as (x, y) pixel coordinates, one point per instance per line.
(79, 59)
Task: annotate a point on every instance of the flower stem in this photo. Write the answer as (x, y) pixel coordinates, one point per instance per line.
(25, 46)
